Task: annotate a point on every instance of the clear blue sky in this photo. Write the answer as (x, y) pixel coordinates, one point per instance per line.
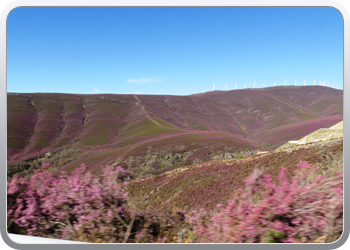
(177, 51)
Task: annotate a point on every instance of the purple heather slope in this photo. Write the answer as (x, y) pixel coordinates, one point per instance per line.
(38, 123)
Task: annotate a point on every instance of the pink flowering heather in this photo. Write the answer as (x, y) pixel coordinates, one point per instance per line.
(46, 164)
(290, 210)
(62, 206)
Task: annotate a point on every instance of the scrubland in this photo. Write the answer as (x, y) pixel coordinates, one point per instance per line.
(191, 169)
(285, 196)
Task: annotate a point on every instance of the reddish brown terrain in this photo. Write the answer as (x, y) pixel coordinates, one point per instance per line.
(195, 166)
(151, 134)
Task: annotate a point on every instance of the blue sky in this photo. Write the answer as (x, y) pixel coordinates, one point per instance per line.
(176, 51)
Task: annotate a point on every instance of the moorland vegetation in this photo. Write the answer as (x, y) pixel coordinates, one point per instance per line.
(152, 134)
(200, 168)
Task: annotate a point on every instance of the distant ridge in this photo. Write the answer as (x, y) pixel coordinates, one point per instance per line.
(155, 132)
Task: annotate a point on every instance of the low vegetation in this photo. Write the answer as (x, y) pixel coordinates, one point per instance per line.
(272, 202)
(185, 188)
(164, 169)
(42, 122)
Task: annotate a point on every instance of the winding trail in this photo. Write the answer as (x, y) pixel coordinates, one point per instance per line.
(131, 148)
(143, 111)
(291, 105)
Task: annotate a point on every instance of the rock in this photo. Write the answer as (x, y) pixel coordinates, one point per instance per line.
(180, 235)
(262, 152)
(216, 157)
(48, 155)
(197, 160)
(322, 239)
(228, 156)
(168, 156)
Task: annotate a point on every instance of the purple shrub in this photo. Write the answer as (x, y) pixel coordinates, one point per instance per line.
(45, 165)
(156, 166)
(215, 180)
(289, 210)
(66, 206)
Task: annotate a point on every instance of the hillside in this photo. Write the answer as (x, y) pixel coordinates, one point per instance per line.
(322, 134)
(177, 177)
(151, 134)
(216, 180)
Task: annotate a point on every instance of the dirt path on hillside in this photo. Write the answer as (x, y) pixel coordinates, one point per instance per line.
(143, 110)
(291, 105)
(131, 148)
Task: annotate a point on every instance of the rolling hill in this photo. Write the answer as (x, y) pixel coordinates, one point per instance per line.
(152, 134)
(215, 180)
(322, 134)
(189, 157)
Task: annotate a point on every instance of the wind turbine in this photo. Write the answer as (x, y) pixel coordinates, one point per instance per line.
(319, 82)
(245, 85)
(274, 84)
(285, 83)
(213, 87)
(264, 85)
(254, 85)
(314, 81)
(295, 82)
(235, 85)
(226, 86)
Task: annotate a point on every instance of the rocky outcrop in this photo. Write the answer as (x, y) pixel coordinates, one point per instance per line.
(322, 134)
(156, 162)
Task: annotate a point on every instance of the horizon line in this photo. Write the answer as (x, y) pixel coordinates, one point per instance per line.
(217, 90)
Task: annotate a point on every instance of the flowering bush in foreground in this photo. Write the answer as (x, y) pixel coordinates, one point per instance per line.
(81, 206)
(76, 206)
(301, 209)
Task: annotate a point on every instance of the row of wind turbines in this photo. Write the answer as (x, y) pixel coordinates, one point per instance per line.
(321, 83)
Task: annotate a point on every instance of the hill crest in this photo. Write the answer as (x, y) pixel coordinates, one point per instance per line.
(107, 126)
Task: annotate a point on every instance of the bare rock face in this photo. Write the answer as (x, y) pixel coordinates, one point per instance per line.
(48, 155)
(337, 126)
(322, 134)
